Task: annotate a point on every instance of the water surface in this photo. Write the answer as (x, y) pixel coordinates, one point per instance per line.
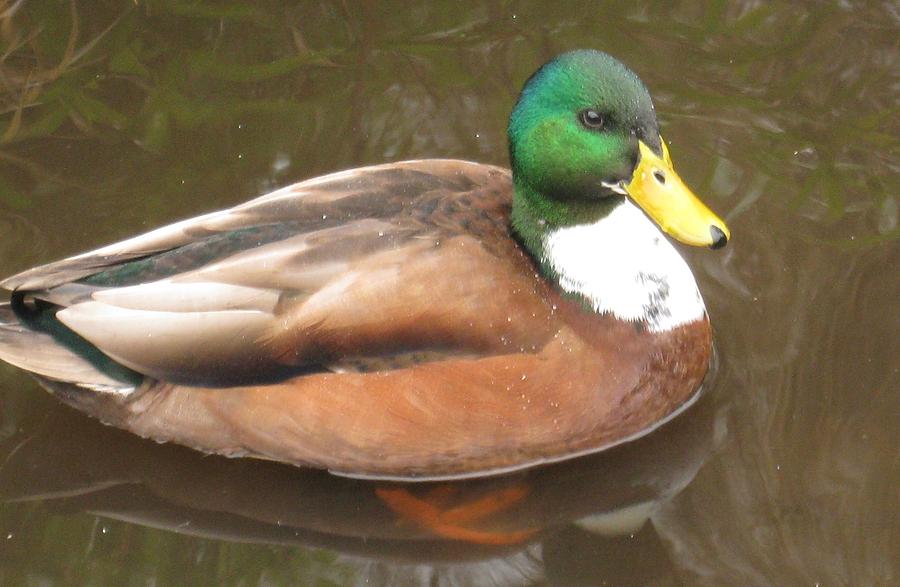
(121, 116)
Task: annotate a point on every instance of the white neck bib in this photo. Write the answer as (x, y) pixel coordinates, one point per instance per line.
(623, 265)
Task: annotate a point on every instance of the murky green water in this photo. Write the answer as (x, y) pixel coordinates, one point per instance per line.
(121, 116)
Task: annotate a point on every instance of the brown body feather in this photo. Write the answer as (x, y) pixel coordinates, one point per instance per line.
(422, 339)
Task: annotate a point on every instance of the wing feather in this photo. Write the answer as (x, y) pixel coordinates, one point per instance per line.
(168, 296)
(290, 280)
(367, 192)
(174, 346)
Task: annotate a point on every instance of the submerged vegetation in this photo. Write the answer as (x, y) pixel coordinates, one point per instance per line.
(162, 98)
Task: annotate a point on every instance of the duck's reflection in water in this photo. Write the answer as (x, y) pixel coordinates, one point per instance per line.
(564, 523)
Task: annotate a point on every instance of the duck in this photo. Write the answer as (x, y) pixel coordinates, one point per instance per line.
(418, 320)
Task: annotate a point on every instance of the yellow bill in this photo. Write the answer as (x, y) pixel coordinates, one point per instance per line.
(658, 190)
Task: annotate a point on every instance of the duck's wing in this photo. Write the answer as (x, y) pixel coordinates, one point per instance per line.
(381, 191)
(368, 263)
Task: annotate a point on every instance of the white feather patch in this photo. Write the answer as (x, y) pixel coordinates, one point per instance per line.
(625, 266)
(166, 344)
(169, 296)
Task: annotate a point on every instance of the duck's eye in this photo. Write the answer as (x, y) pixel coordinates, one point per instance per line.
(592, 119)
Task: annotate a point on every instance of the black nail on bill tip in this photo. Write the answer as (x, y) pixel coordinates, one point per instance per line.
(718, 237)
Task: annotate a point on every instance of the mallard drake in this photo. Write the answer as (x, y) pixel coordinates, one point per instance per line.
(423, 319)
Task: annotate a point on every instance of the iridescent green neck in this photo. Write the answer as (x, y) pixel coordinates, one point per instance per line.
(535, 215)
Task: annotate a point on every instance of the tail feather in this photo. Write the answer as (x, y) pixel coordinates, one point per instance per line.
(37, 342)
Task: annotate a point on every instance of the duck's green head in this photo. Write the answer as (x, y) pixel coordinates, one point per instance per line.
(582, 136)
